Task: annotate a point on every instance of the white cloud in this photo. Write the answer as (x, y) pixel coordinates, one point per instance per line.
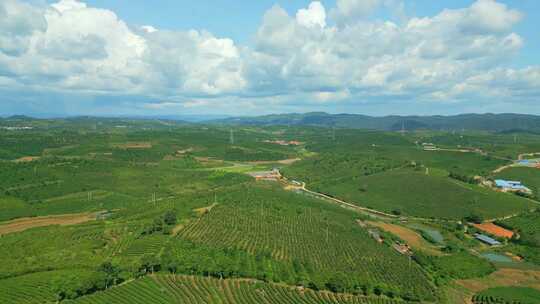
(314, 15)
(296, 59)
(81, 48)
(348, 11)
(149, 28)
(18, 22)
(332, 96)
(68, 5)
(487, 16)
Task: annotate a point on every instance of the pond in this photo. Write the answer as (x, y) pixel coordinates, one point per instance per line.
(496, 257)
(431, 232)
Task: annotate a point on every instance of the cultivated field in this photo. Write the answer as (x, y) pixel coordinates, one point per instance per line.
(518, 295)
(189, 289)
(424, 195)
(185, 223)
(22, 224)
(411, 237)
(319, 240)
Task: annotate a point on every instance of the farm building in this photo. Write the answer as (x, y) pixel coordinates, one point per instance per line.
(402, 248)
(429, 147)
(284, 142)
(511, 186)
(532, 163)
(495, 230)
(486, 239)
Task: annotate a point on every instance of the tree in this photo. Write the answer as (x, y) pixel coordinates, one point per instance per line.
(169, 218)
(111, 272)
(149, 263)
(474, 218)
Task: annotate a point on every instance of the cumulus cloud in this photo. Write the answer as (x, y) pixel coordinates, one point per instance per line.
(18, 22)
(419, 59)
(314, 15)
(352, 10)
(301, 59)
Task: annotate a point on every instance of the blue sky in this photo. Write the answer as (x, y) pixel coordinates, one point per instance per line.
(376, 57)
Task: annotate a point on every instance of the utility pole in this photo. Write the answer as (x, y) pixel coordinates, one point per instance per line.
(327, 230)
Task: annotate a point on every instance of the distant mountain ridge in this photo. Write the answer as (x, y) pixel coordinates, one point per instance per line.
(504, 123)
(484, 122)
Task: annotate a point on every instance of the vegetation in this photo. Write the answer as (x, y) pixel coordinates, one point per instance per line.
(419, 194)
(528, 228)
(193, 289)
(517, 295)
(530, 177)
(322, 245)
(179, 220)
(460, 265)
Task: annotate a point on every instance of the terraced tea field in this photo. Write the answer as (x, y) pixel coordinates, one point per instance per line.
(324, 239)
(194, 290)
(514, 295)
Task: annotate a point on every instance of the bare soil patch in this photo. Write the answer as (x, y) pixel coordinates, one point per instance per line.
(134, 145)
(282, 162)
(41, 221)
(27, 159)
(494, 230)
(411, 237)
(204, 210)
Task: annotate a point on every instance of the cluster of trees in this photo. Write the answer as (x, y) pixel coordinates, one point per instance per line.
(196, 259)
(79, 284)
(162, 224)
(463, 177)
(459, 265)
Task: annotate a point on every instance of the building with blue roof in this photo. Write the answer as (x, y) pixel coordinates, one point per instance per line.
(486, 239)
(511, 186)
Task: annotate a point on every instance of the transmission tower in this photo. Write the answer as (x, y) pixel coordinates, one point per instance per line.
(231, 137)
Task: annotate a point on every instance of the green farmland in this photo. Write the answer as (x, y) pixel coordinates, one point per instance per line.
(413, 192)
(171, 214)
(518, 295)
(188, 289)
